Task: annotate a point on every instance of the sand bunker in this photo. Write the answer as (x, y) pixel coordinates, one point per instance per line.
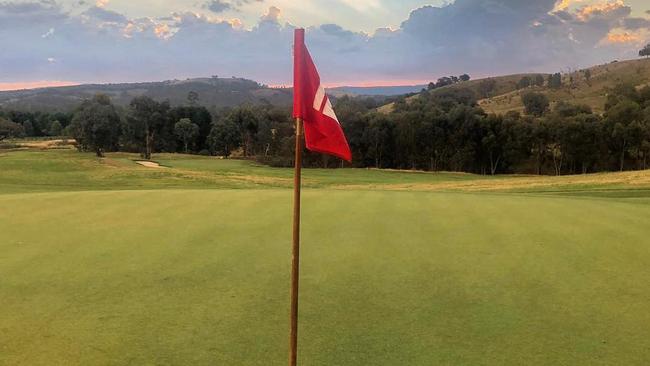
(48, 144)
(149, 164)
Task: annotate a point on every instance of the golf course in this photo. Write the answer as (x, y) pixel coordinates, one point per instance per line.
(108, 262)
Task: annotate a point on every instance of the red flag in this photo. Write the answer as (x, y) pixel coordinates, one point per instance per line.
(323, 132)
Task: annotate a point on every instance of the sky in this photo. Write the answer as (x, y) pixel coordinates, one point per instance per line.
(354, 42)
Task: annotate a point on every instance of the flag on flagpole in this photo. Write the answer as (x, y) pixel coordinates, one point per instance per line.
(323, 132)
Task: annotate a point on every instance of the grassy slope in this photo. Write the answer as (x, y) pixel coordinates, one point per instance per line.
(199, 276)
(67, 170)
(507, 98)
(64, 170)
(592, 92)
(504, 85)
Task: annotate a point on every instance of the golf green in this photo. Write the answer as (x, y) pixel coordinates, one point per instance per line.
(201, 277)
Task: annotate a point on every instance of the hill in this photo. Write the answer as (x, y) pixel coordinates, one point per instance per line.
(482, 88)
(588, 86)
(213, 92)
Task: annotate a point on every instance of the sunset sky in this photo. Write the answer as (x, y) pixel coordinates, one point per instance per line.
(354, 42)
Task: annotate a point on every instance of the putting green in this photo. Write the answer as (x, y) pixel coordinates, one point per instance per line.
(201, 277)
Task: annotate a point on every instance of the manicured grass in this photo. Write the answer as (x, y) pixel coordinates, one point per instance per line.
(65, 170)
(201, 277)
(108, 263)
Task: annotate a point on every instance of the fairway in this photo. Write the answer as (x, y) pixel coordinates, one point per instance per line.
(171, 270)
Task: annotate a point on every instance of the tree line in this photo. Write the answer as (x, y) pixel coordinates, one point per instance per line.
(15, 123)
(448, 80)
(448, 131)
(443, 130)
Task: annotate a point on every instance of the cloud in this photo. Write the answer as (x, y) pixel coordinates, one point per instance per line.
(636, 23)
(35, 84)
(612, 8)
(236, 23)
(272, 15)
(622, 37)
(480, 37)
(49, 33)
(163, 31)
(562, 5)
(244, 2)
(105, 15)
(363, 5)
(336, 30)
(505, 36)
(384, 32)
(14, 14)
(218, 6)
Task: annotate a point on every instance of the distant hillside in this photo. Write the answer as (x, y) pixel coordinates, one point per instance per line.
(376, 90)
(500, 94)
(213, 92)
(480, 87)
(576, 88)
(217, 92)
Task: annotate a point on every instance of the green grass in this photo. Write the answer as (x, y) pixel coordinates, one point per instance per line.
(169, 270)
(65, 170)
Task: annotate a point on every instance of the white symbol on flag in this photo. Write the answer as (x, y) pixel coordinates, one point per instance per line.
(323, 105)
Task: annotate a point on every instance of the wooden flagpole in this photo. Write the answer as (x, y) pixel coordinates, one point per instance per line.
(295, 258)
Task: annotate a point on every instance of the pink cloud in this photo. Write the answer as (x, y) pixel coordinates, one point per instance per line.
(34, 84)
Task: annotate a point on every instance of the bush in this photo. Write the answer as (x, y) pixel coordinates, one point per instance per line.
(536, 103)
(10, 129)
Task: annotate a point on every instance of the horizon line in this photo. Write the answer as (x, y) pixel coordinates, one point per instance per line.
(43, 84)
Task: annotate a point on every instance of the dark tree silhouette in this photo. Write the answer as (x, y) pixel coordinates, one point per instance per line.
(645, 51)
